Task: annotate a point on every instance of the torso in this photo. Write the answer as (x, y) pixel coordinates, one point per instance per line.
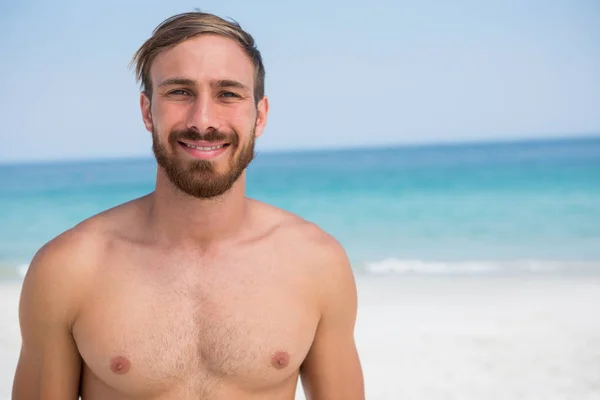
(235, 322)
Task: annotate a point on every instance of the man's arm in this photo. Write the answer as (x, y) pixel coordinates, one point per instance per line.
(332, 368)
(49, 364)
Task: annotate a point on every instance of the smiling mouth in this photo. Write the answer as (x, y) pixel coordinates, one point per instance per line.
(205, 148)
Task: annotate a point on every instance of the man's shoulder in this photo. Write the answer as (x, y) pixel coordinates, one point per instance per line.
(70, 246)
(80, 249)
(63, 271)
(318, 256)
(307, 240)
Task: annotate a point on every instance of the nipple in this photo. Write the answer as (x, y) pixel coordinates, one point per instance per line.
(120, 365)
(280, 359)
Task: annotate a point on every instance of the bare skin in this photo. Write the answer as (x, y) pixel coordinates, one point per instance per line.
(175, 297)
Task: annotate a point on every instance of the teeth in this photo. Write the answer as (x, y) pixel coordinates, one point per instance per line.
(209, 148)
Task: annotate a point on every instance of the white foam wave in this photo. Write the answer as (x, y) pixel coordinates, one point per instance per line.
(13, 271)
(22, 269)
(421, 267)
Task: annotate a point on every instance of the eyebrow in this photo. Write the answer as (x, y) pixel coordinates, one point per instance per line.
(177, 81)
(229, 83)
(221, 83)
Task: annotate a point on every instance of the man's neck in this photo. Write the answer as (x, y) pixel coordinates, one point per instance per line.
(179, 218)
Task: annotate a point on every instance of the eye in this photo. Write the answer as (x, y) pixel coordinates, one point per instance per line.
(179, 92)
(229, 95)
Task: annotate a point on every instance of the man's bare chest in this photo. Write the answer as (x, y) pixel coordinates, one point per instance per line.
(150, 335)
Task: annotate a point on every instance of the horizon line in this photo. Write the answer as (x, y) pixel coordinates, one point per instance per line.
(342, 148)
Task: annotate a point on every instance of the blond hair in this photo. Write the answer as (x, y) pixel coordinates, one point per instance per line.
(180, 27)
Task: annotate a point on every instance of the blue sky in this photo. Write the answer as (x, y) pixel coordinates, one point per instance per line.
(339, 73)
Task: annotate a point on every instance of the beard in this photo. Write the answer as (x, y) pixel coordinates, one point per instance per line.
(200, 178)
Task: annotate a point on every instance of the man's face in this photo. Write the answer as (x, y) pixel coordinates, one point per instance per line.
(202, 115)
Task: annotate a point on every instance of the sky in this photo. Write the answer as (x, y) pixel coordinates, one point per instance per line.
(339, 73)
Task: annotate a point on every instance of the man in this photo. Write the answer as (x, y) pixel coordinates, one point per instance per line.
(193, 291)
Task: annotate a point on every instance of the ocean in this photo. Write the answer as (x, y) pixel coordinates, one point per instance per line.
(484, 208)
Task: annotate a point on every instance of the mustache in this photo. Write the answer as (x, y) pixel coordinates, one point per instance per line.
(210, 136)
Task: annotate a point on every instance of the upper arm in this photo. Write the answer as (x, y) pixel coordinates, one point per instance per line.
(49, 364)
(332, 367)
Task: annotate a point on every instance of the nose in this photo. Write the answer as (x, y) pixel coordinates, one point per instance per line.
(204, 114)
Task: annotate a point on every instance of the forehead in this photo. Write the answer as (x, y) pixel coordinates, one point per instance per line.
(203, 59)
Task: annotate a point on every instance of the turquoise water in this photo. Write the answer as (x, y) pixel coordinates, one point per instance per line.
(469, 208)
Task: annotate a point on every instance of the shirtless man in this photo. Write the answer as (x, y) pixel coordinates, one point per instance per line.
(194, 291)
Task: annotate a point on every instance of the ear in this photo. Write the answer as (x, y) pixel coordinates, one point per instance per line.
(262, 109)
(146, 107)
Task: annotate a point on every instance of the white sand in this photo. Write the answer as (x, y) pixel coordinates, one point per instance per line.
(451, 338)
(10, 336)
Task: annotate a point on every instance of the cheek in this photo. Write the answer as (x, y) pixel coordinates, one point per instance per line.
(164, 118)
(244, 122)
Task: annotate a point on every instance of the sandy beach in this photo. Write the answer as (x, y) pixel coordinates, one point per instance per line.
(450, 337)
(10, 339)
